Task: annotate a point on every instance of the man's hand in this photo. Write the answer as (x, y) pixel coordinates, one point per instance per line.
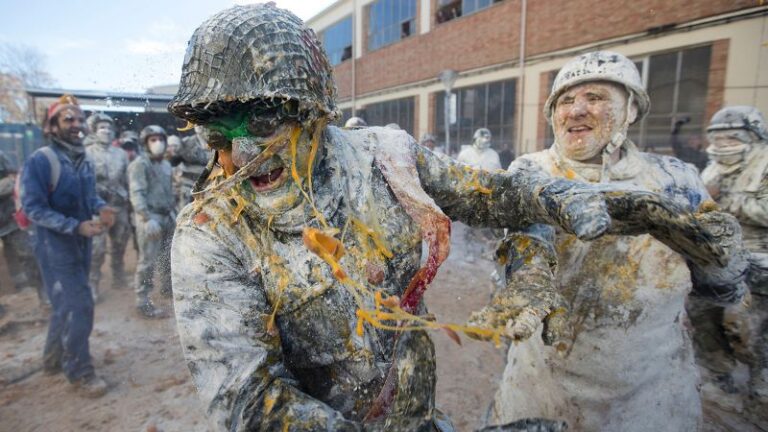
(640, 212)
(531, 296)
(107, 216)
(578, 208)
(90, 228)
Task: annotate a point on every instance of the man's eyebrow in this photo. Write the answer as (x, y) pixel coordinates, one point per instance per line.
(596, 93)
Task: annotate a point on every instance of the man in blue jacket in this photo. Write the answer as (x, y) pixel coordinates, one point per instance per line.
(59, 197)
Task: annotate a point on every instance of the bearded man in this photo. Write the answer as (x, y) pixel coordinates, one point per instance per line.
(59, 196)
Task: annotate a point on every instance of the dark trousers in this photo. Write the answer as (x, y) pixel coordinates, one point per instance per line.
(71, 320)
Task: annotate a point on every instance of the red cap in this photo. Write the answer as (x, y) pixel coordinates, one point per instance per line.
(65, 101)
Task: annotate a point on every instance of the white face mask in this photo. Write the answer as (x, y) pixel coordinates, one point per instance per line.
(157, 147)
(482, 143)
(730, 155)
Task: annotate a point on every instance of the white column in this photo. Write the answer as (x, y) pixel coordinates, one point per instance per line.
(358, 5)
(426, 16)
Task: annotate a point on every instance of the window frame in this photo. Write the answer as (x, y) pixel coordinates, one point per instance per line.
(342, 50)
(387, 106)
(378, 38)
(499, 141)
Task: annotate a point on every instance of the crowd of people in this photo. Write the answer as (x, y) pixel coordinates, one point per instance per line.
(297, 273)
(82, 193)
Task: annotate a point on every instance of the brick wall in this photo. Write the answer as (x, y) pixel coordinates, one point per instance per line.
(342, 73)
(716, 81)
(491, 36)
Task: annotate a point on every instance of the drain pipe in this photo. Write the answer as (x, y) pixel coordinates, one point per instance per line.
(519, 143)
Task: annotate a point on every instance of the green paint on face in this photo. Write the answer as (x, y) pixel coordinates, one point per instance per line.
(234, 126)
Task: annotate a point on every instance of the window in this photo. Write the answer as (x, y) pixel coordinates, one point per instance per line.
(337, 40)
(490, 105)
(450, 9)
(677, 83)
(389, 21)
(398, 111)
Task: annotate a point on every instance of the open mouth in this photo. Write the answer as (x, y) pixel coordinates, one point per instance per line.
(579, 129)
(270, 180)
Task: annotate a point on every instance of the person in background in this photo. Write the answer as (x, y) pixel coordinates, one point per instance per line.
(189, 159)
(17, 249)
(429, 141)
(111, 165)
(355, 122)
(737, 178)
(59, 197)
(480, 154)
(129, 141)
(149, 179)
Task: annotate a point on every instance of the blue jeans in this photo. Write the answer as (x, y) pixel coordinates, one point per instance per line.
(71, 321)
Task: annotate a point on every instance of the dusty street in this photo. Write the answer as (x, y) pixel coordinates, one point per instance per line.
(150, 386)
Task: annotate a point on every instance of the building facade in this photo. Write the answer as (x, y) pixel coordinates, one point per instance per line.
(694, 58)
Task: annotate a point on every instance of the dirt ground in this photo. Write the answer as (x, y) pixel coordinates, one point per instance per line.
(151, 390)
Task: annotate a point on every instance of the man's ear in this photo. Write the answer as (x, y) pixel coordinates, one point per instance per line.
(632, 113)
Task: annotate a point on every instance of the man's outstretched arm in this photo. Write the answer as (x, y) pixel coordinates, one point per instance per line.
(513, 199)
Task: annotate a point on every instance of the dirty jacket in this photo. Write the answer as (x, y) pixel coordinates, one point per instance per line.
(150, 187)
(744, 193)
(311, 370)
(486, 159)
(630, 365)
(57, 213)
(111, 165)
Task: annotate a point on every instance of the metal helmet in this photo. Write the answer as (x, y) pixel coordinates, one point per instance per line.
(482, 132)
(129, 135)
(599, 66)
(129, 140)
(355, 122)
(97, 118)
(149, 131)
(253, 53)
(739, 117)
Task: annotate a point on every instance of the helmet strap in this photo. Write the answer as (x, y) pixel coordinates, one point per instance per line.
(617, 140)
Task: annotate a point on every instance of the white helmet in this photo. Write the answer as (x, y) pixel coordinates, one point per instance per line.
(739, 117)
(482, 132)
(94, 119)
(355, 122)
(599, 66)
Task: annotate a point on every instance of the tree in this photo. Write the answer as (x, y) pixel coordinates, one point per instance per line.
(21, 66)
